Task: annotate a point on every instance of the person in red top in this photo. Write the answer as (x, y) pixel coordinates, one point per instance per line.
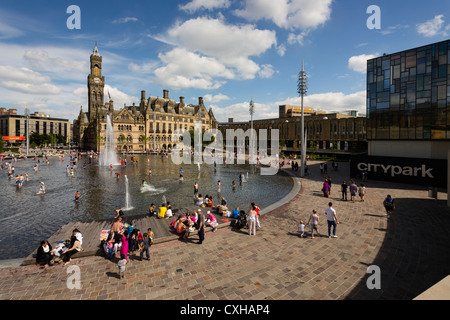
(256, 209)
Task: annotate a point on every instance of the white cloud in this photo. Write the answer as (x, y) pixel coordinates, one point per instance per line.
(200, 56)
(216, 98)
(26, 81)
(184, 69)
(44, 88)
(329, 102)
(299, 14)
(281, 50)
(120, 98)
(393, 29)
(240, 111)
(41, 60)
(359, 63)
(22, 74)
(62, 63)
(196, 5)
(81, 92)
(7, 31)
(332, 101)
(215, 38)
(125, 20)
(432, 27)
(297, 38)
(266, 71)
(146, 67)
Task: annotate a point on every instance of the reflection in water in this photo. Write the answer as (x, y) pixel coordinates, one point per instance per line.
(27, 218)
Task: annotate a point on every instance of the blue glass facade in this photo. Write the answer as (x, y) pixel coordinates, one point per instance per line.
(408, 94)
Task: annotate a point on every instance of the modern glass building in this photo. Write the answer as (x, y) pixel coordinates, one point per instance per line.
(408, 103)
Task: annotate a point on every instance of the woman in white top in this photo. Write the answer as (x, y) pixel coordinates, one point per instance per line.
(362, 192)
(252, 222)
(169, 212)
(314, 220)
(199, 200)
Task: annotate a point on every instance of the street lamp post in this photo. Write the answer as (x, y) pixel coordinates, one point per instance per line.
(302, 89)
(27, 114)
(251, 146)
(154, 129)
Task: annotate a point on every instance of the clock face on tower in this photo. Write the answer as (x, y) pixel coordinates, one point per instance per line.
(96, 80)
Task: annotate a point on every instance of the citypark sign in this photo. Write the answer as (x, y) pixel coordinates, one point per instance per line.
(426, 172)
(258, 151)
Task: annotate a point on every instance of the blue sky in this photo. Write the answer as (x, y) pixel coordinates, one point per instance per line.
(226, 51)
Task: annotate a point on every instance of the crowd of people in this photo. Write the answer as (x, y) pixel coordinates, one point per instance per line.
(345, 188)
(124, 240)
(47, 256)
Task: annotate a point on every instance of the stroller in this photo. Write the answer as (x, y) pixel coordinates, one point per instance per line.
(242, 220)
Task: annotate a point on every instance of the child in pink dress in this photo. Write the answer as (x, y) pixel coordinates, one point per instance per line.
(124, 246)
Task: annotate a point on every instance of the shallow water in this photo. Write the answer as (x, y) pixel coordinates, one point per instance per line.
(26, 218)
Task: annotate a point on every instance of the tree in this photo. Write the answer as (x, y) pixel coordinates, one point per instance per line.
(334, 145)
(122, 139)
(36, 138)
(145, 139)
(204, 143)
(313, 147)
(52, 139)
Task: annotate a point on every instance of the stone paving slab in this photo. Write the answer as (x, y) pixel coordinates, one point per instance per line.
(410, 249)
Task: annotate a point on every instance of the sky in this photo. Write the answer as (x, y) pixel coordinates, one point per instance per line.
(226, 51)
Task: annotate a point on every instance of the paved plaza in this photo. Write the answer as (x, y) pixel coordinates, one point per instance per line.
(411, 249)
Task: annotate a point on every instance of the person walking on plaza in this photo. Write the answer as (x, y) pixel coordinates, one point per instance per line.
(256, 209)
(301, 228)
(344, 188)
(389, 205)
(353, 189)
(314, 223)
(332, 220)
(362, 192)
(201, 227)
(145, 247)
(122, 266)
(326, 188)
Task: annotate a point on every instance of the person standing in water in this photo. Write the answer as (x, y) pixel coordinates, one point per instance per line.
(195, 188)
(42, 187)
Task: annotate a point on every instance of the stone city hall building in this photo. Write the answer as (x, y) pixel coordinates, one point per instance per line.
(136, 127)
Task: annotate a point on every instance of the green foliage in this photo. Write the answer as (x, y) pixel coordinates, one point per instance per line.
(204, 143)
(313, 147)
(2, 143)
(46, 139)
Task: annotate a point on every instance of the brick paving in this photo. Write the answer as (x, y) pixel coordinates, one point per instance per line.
(411, 249)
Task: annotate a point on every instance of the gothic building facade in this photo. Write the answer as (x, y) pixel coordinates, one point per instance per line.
(147, 126)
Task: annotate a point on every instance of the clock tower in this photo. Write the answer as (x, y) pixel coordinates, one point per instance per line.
(96, 85)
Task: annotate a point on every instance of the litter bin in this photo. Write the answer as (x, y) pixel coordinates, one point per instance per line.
(432, 192)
